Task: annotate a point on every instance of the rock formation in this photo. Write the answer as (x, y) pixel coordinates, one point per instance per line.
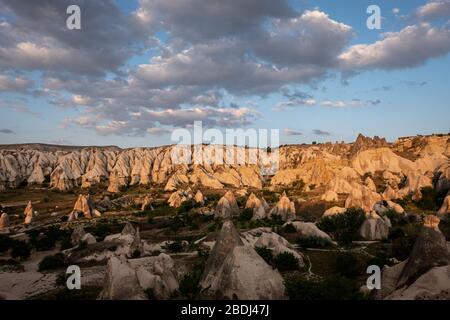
(375, 227)
(330, 196)
(79, 236)
(285, 208)
(199, 198)
(258, 206)
(382, 207)
(427, 265)
(129, 240)
(29, 213)
(333, 211)
(227, 206)
(84, 206)
(309, 230)
(362, 197)
(277, 244)
(4, 221)
(121, 282)
(235, 271)
(444, 211)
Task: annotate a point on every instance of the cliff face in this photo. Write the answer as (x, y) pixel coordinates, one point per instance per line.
(405, 166)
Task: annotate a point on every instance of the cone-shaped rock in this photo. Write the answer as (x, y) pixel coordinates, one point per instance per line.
(235, 271)
(4, 221)
(285, 208)
(29, 213)
(429, 251)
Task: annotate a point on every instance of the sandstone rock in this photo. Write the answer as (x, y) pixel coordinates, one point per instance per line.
(199, 198)
(375, 227)
(444, 211)
(4, 221)
(285, 208)
(176, 199)
(430, 250)
(277, 244)
(333, 211)
(129, 239)
(432, 285)
(391, 193)
(157, 273)
(381, 207)
(235, 271)
(147, 204)
(254, 203)
(29, 213)
(309, 230)
(330, 196)
(79, 236)
(362, 197)
(84, 206)
(121, 281)
(370, 184)
(227, 206)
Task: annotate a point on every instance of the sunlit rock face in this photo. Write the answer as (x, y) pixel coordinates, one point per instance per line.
(372, 166)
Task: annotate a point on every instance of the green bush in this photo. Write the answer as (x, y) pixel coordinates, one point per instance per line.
(431, 199)
(52, 262)
(312, 242)
(20, 249)
(190, 283)
(5, 243)
(286, 261)
(331, 288)
(175, 247)
(289, 228)
(348, 265)
(187, 206)
(343, 227)
(245, 215)
(265, 253)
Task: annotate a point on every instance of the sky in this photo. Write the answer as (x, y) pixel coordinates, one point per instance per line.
(138, 70)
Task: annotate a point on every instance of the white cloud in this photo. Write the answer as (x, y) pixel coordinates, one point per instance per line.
(410, 47)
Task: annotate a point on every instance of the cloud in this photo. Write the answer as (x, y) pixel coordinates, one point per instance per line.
(197, 21)
(320, 132)
(14, 84)
(7, 131)
(434, 10)
(308, 101)
(410, 47)
(37, 37)
(139, 123)
(311, 38)
(289, 132)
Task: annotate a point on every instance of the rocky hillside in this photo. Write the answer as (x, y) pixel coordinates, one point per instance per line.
(368, 169)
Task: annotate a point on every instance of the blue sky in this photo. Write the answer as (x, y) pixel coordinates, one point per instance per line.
(152, 66)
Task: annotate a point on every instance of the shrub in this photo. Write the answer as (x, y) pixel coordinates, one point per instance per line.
(52, 262)
(348, 265)
(187, 206)
(289, 228)
(312, 242)
(431, 199)
(20, 249)
(100, 230)
(331, 288)
(245, 215)
(5, 243)
(175, 247)
(136, 254)
(286, 261)
(344, 227)
(190, 282)
(150, 293)
(265, 253)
